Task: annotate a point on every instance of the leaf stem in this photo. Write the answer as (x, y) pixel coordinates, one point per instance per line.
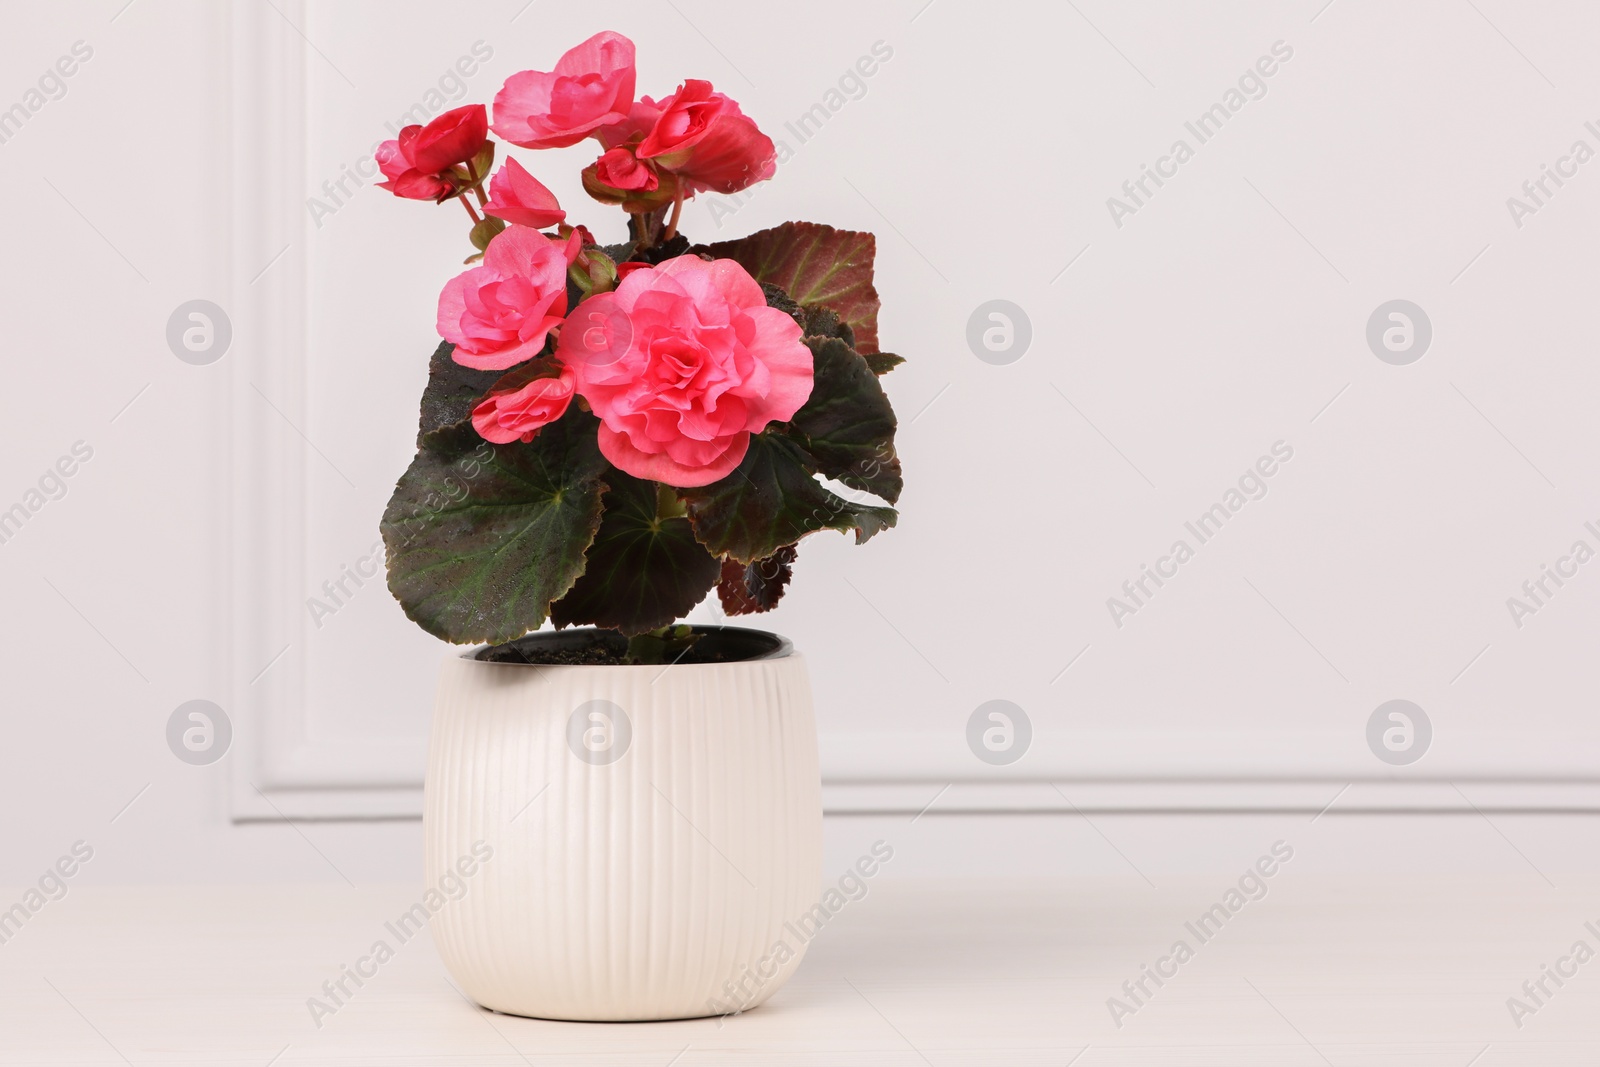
(641, 227)
(677, 211)
(476, 186)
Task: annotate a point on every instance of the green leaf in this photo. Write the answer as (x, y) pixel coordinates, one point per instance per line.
(818, 266)
(452, 392)
(746, 588)
(777, 298)
(656, 254)
(483, 163)
(644, 570)
(668, 644)
(593, 271)
(509, 381)
(825, 322)
(883, 362)
(620, 253)
(484, 231)
(772, 499)
(481, 538)
(847, 425)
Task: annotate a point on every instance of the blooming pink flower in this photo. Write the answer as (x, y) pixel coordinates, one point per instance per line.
(517, 196)
(592, 86)
(620, 169)
(641, 120)
(499, 313)
(618, 177)
(705, 139)
(519, 414)
(415, 161)
(682, 363)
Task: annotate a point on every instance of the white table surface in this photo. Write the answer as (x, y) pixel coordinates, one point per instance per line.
(919, 972)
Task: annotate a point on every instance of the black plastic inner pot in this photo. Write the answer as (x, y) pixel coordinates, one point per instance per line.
(590, 646)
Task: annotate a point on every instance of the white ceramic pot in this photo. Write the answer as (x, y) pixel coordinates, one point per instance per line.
(649, 832)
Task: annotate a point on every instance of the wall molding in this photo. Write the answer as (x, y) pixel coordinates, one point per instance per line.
(1312, 796)
(280, 766)
(919, 798)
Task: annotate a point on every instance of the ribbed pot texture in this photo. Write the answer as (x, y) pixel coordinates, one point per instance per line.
(651, 884)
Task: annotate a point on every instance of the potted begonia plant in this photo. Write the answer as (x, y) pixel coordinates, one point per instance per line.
(610, 432)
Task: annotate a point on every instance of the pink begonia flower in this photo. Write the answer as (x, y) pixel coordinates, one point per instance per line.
(591, 87)
(519, 414)
(705, 139)
(414, 161)
(682, 363)
(620, 169)
(517, 196)
(498, 313)
(618, 177)
(641, 120)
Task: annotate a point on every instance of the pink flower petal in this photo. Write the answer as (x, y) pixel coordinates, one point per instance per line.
(517, 196)
(499, 313)
(681, 363)
(660, 467)
(591, 87)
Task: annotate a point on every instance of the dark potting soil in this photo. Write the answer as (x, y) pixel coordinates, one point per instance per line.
(593, 656)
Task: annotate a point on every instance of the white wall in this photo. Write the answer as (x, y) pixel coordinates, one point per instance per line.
(1226, 314)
